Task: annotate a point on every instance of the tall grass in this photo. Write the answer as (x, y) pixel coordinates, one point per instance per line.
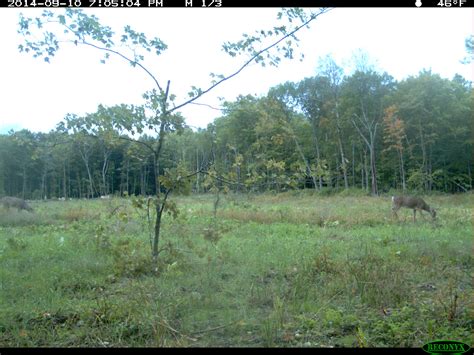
(291, 269)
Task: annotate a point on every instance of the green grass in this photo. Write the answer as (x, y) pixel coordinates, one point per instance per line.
(288, 270)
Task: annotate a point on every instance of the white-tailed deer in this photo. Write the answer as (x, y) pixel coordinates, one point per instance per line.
(415, 203)
(10, 202)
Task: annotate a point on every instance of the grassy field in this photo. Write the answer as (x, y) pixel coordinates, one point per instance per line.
(295, 269)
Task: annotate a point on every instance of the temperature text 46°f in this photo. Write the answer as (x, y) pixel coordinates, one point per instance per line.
(449, 3)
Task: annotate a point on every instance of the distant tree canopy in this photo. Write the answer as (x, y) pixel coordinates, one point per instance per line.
(364, 130)
(469, 44)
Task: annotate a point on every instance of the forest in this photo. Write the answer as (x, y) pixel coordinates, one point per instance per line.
(330, 131)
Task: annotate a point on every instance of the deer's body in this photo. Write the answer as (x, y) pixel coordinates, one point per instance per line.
(415, 203)
(14, 202)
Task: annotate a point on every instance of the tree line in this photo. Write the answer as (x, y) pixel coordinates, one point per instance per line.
(363, 130)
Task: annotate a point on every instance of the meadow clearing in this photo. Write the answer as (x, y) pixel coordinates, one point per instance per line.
(295, 269)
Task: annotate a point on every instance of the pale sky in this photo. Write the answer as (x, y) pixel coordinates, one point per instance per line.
(37, 95)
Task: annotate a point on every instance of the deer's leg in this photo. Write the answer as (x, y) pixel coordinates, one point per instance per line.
(414, 215)
(394, 211)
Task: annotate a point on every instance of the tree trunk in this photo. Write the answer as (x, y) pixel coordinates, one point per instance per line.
(341, 148)
(43, 185)
(91, 186)
(353, 165)
(65, 194)
(343, 164)
(105, 168)
(127, 179)
(318, 155)
(308, 166)
(24, 182)
(85, 158)
(371, 131)
(373, 170)
(366, 171)
(156, 238)
(424, 155)
(430, 169)
(197, 169)
(402, 170)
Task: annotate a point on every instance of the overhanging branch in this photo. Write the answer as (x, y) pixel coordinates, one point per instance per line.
(127, 59)
(313, 17)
